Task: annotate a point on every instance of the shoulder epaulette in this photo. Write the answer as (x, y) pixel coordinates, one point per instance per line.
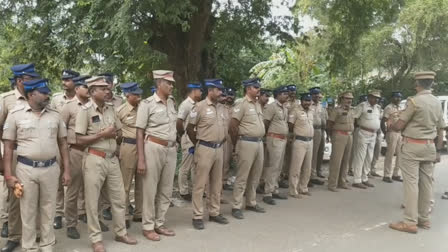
(109, 103)
(411, 99)
(51, 109)
(17, 108)
(149, 99)
(9, 93)
(87, 105)
(58, 94)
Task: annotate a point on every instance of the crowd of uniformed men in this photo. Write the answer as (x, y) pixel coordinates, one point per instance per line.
(90, 141)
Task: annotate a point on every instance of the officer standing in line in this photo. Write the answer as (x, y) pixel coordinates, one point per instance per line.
(98, 128)
(247, 131)
(378, 141)
(22, 73)
(68, 113)
(340, 127)
(319, 122)
(361, 99)
(420, 122)
(300, 122)
(228, 145)
(208, 118)
(265, 94)
(40, 134)
(187, 164)
(367, 116)
(127, 114)
(58, 100)
(393, 138)
(275, 117)
(156, 150)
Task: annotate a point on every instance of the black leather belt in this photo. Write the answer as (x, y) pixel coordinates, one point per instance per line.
(211, 145)
(251, 139)
(36, 164)
(129, 140)
(303, 138)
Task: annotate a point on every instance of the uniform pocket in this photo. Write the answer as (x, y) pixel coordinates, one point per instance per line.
(52, 129)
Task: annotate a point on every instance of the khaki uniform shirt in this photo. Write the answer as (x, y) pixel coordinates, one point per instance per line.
(320, 116)
(69, 112)
(343, 119)
(58, 100)
(127, 114)
(36, 135)
(248, 112)
(158, 119)
(184, 110)
(302, 120)
(116, 101)
(209, 120)
(368, 116)
(291, 104)
(423, 116)
(392, 114)
(277, 114)
(91, 120)
(8, 101)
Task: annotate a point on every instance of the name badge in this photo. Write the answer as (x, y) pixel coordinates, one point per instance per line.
(95, 119)
(369, 111)
(344, 113)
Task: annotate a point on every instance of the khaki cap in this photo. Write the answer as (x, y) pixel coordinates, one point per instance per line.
(428, 75)
(375, 93)
(97, 81)
(163, 74)
(347, 95)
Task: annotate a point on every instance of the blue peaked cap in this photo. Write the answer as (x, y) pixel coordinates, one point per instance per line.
(24, 69)
(217, 83)
(131, 88)
(39, 84)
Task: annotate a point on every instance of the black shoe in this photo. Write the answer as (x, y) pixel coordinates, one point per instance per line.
(107, 214)
(397, 178)
(256, 209)
(10, 246)
(279, 196)
(320, 176)
(73, 233)
(387, 180)
(186, 197)
(4, 233)
(227, 187)
(57, 223)
(317, 182)
(260, 189)
(237, 213)
(368, 184)
(269, 200)
(198, 224)
(218, 219)
(350, 173)
(83, 218)
(137, 219)
(310, 184)
(171, 204)
(374, 174)
(131, 209)
(103, 227)
(283, 184)
(128, 224)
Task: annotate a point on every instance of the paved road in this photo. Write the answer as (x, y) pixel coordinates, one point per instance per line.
(354, 220)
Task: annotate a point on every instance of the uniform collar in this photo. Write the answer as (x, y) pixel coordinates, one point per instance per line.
(130, 106)
(210, 103)
(29, 109)
(249, 99)
(279, 104)
(95, 106)
(190, 100)
(18, 94)
(424, 92)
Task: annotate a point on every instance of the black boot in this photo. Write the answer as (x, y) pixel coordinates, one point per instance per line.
(107, 214)
(5, 232)
(57, 223)
(10, 246)
(73, 233)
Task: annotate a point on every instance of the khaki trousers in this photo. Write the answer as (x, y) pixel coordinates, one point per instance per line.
(352, 155)
(186, 166)
(300, 172)
(99, 172)
(72, 193)
(39, 196)
(81, 201)
(227, 149)
(250, 166)
(128, 165)
(275, 153)
(287, 159)
(3, 200)
(14, 220)
(339, 159)
(376, 152)
(61, 193)
(157, 184)
(417, 180)
(317, 141)
(208, 171)
(365, 143)
(393, 140)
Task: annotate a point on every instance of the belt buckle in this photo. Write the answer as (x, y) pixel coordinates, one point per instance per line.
(39, 164)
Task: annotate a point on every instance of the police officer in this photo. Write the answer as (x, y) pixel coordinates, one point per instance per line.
(275, 117)
(361, 99)
(156, 150)
(265, 94)
(8, 100)
(68, 113)
(228, 145)
(208, 118)
(367, 116)
(58, 100)
(247, 131)
(393, 138)
(187, 164)
(127, 114)
(340, 127)
(300, 122)
(98, 128)
(377, 148)
(420, 122)
(319, 121)
(39, 133)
